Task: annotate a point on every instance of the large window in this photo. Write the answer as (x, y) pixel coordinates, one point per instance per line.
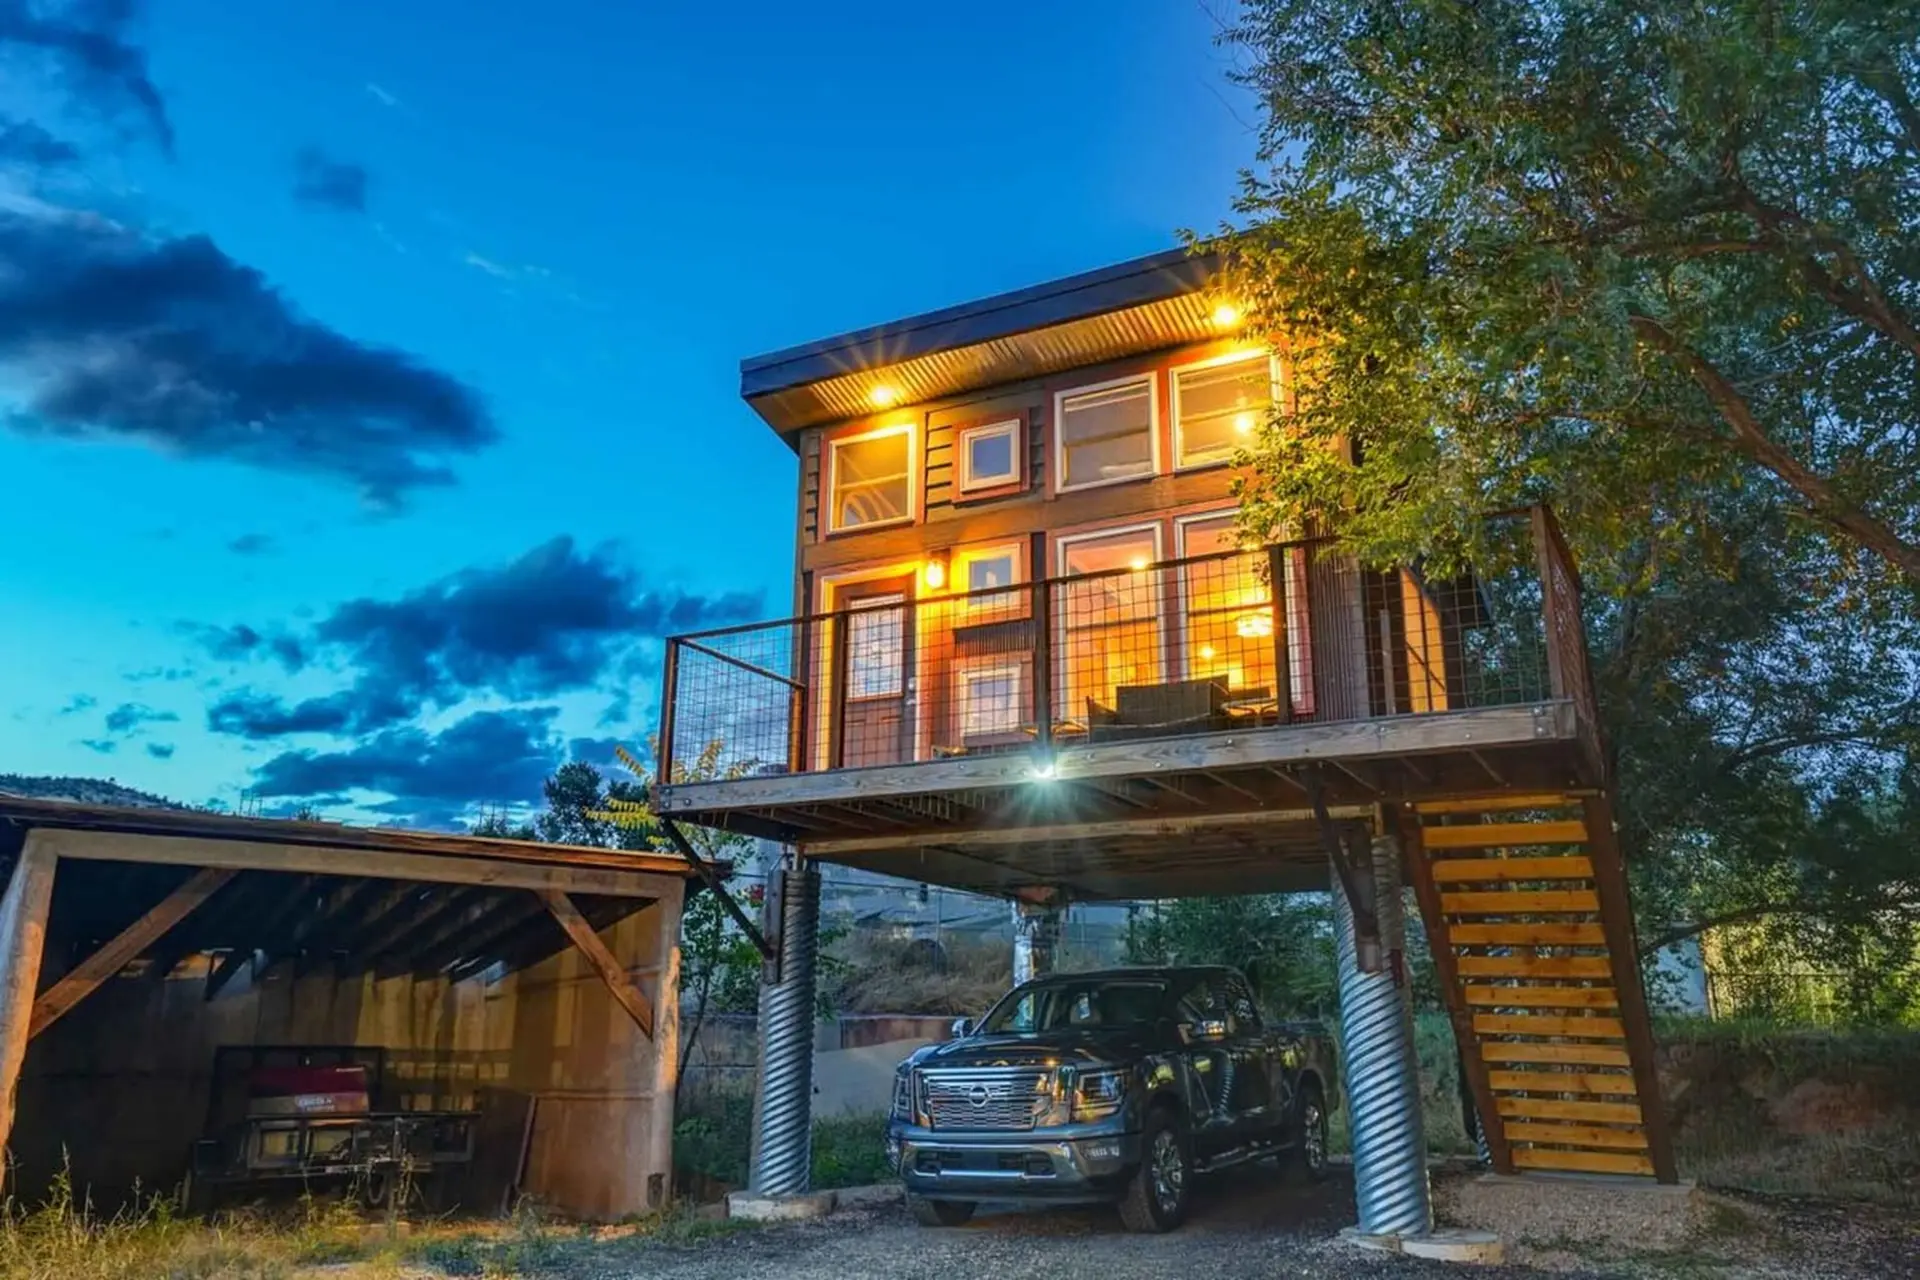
(1228, 623)
(1109, 623)
(1105, 434)
(870, 479)
(1218, 405)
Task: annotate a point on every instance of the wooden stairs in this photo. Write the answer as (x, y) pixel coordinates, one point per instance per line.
(1526, 909)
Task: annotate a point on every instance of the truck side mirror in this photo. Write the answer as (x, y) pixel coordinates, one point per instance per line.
(962, 1028)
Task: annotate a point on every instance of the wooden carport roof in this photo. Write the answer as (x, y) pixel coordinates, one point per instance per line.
(167, 883)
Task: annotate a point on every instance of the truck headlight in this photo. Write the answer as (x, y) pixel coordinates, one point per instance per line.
(1099, 1093)
(902, 1096)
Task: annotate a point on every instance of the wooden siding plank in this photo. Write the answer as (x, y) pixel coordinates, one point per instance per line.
(1492, 835)
(1458, 870)
(1579, 1135)
(1525, 1024)
(1532, 997)
(1582, 1161)
(1527, 935)
(1534, 967)
(1520, 902)
(1595, 1082)
(1589, 1055)
(1556, 1109)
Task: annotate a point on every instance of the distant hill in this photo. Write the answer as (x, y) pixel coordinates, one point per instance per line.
(82, 791)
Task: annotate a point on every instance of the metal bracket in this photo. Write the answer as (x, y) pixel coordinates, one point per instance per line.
(711, 878)
(1355, 871)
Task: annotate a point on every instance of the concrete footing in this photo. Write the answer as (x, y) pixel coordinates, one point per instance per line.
(1445, 1244)
(749, 1207)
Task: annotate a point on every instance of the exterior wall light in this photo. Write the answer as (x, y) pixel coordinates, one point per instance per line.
(1226, 316)
(883, 396)
(934, 572)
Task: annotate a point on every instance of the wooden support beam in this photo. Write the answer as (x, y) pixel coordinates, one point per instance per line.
(1582, 1161)
(23, 940)
(1534, 1051)
(1493, 835)
(623, 987)
(348, 860)
(1519, 902)
(110, 959)
(1012, 835)
(1469, 870)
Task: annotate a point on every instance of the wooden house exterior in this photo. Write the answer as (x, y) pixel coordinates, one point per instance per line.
(1029, 654)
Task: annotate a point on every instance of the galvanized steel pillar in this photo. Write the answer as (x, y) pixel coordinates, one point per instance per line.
(783, 1147)
(1036, 934)
(1376, 1043)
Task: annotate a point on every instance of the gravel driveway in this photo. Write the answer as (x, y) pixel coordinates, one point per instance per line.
(1243, 1225)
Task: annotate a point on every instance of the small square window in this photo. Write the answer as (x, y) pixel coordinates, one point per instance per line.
(979, 573)
(992, 700)
(989, 456)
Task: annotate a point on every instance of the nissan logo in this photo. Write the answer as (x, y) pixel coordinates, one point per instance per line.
(978, 1095)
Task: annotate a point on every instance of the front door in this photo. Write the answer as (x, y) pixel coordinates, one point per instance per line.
(877, 723)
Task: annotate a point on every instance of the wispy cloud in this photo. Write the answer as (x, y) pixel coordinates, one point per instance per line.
(328, 182)
(86, 44)
(381, 95)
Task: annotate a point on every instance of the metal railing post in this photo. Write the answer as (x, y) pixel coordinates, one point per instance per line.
(669, 697)
(837, 694)
(1043, 663)
(802, 714)
(1282, 638)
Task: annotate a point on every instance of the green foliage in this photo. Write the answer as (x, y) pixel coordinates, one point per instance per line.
(850, 1151)
(713, 1138)
(1282, 942)
(1656, 262)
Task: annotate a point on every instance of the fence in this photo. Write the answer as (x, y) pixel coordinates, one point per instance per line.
(1122, 648)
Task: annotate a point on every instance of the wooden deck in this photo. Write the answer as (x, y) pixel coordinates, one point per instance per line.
(1166, 817)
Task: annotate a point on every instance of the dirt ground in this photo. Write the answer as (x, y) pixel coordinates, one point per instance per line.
(1250, 1225)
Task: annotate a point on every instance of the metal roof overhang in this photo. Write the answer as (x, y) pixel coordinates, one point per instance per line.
(1144, 305)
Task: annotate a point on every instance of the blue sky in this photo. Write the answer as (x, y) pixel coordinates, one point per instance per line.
(369, 371)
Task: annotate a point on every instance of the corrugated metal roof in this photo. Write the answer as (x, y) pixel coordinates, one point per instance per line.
(1137, 306)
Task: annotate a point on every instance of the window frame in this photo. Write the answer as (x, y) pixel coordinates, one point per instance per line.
(898, 605)
(969, 487)
(1299, 609)
(830, 477)
(1151, 378)
(1017, 604)
(1246, 356)
(1017, 666)
(1062, 640)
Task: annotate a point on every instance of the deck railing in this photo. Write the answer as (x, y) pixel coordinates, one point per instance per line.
(1290, 634)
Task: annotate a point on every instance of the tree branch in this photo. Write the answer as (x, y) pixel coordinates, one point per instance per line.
(1751, 439)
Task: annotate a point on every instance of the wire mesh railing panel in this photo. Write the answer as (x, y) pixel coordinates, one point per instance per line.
(1123, 648)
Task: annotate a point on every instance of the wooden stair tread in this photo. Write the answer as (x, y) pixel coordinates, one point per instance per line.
(1528, 1024)
(1577, 1135)
(1534, 966)
(1598, 1083)
(1534, 1052)
(1533, 934)
(1566, 866)
(1560, 1109)
(1520, 902)
(1494, 835)
(1581, 1161)
(1537, 997)
(1497, 804)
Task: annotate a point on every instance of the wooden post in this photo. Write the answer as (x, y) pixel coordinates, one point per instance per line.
(611, 972)
(110, 959)
(837, 693)
(1042, 663)
(23, 937)
(801, 704)
(1282, 634)
(669, 702)
(1623, 953)
(1550, 620)
(666, 1052)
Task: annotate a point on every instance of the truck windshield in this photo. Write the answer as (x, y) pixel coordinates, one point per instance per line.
(1061, 1006)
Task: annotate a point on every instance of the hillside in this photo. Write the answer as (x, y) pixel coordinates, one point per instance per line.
(81, 791)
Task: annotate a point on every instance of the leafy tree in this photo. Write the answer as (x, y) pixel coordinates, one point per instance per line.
(1282, 942)
(1624, 252)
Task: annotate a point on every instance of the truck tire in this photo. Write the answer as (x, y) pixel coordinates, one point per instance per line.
(1157, 1193)
(1307, 1155)
(940, 1213)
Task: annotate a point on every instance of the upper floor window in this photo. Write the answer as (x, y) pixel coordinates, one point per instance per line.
(1218, 405)
(870, 478)
(1106, 434)
(989, 456)
(979, 571)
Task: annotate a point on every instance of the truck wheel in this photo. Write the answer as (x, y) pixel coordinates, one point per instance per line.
(1307, 1161)
(1156, 1197)
(940, 1213)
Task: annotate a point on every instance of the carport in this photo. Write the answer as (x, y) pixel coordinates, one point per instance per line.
(134, 943)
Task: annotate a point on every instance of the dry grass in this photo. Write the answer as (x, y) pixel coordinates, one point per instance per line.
(63, 1239)
(884, 975)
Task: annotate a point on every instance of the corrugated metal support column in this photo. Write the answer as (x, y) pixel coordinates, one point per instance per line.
(1036, 935)
(783, 1152)
(1376, 1043)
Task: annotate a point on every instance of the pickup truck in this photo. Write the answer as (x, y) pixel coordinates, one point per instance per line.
(1117, 1086)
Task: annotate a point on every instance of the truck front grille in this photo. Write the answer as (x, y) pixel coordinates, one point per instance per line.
(993, 1099)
